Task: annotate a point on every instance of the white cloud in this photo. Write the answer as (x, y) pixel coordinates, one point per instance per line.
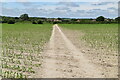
(69, 4)
(48, 0)
(81, 10)
(59, 0)
(22, 1)
(108, 1)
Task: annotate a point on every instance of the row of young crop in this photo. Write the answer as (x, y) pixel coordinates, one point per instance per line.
(21, 49)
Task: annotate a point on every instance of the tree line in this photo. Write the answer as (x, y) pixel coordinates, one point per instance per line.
(39, 20)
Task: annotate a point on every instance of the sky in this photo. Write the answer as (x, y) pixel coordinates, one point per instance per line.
(62, 9)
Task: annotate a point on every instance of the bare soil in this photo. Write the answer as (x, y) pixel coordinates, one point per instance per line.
(105, 59)
(64, 59)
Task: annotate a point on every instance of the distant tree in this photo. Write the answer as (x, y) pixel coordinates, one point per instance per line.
(11, 22)
(40, 22)
(55, 22)
(117, 19)
(100, 18)
(4, 20)
(34, 22)
(59, 18)
(24, 17)
(16, 18)
(73, 19)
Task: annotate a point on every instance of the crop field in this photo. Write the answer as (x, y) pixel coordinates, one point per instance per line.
(22, 48)
(98, 35)
(24, 44)
(100, 43)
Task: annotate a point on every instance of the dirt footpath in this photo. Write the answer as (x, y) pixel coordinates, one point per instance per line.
(63, 60)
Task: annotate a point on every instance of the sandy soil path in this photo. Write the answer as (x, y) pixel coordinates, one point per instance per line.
(63, 60)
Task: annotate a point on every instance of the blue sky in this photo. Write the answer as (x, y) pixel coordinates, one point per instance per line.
(61, 9)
